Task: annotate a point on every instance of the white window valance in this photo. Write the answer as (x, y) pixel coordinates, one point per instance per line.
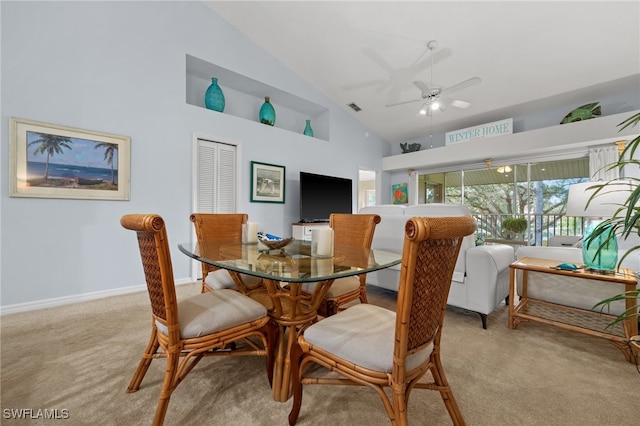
(599, 160)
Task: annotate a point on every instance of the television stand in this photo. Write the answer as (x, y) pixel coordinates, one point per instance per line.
(302, 230)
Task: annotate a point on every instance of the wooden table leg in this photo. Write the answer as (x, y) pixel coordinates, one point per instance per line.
(296, 311)
(512, 296)
(630, 324)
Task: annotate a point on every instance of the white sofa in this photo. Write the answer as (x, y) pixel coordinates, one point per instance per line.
(576, 292)
(481, 278)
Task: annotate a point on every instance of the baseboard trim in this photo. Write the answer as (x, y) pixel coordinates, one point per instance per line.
(76, 298)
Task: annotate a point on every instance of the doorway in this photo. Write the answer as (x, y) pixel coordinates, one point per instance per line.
(367, 188)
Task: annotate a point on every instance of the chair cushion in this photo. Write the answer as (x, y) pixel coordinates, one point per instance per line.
(214, 311)
(339, 287)
(363, 335)
(220, 278)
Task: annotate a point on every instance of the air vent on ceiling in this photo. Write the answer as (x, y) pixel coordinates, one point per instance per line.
(354, 107)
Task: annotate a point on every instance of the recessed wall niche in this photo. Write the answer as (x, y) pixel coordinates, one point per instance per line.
(244, 96)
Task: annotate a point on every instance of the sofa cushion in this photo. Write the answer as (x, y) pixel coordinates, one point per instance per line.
(437, 210)
(447, 210)
(384, 210)
(389, 234)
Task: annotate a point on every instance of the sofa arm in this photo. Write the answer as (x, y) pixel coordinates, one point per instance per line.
(487, 276)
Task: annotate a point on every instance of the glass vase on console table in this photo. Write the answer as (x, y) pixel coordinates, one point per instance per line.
(591, 201)
(600, 251)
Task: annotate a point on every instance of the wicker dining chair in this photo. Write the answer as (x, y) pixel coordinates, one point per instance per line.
(355, 230)
(370, 345)
(203, 325)
(215, 227)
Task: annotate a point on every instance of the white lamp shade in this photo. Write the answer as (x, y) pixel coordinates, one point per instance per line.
(604, 204)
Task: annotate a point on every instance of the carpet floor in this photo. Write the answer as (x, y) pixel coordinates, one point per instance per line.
(78, 360)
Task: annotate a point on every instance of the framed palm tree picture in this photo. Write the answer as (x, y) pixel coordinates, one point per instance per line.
(53, 161)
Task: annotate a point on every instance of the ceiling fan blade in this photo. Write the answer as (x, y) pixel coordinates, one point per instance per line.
(461, 85)
(458, 103)
(403, 103)
(378, 60)
(423, 88)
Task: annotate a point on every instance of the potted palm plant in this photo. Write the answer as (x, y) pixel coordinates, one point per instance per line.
(625, 222)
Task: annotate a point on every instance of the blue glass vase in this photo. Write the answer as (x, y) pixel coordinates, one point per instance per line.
(214, 98)
(267, 113)
(307, 129)
(595, 257)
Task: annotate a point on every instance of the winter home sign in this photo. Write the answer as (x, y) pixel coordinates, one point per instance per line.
(497, 128)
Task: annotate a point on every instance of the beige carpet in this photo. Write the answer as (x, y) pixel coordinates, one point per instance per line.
(80, 358)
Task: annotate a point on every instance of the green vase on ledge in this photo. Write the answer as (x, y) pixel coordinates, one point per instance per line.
(214, 98)
(267, 113)
(307, 129)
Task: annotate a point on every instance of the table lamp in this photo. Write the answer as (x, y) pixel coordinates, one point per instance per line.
(596, 256)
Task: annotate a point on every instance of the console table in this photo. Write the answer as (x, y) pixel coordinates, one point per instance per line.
(593, 323)
(302, 230)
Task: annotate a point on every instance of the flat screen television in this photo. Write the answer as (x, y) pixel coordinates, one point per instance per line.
(322, 195)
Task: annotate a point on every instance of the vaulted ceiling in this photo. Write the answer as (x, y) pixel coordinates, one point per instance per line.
(530, 56)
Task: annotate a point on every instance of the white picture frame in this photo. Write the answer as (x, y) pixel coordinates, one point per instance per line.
(54, 161)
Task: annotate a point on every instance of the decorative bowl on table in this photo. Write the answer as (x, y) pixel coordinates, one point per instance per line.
(274, 243)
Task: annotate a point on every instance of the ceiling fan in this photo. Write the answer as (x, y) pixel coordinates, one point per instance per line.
(433, 95)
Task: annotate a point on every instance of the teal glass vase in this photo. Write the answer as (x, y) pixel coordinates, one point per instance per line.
(214, 98)
(267, 113)
(596, 256)
(307, 129)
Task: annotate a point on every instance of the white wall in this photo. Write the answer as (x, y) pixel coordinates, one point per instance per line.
(119, 67)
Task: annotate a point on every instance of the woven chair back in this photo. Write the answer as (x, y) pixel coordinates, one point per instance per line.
(156, 262)
(215, 227)
(355, 230)
(218, 226)
(431, 247)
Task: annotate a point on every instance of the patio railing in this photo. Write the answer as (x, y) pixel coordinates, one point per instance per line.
(540, 226)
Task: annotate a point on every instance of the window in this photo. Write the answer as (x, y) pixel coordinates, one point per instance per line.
(537, 191)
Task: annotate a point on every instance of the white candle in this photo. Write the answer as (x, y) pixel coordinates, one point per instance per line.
(253, 232)
(322, 242)
(250, 233)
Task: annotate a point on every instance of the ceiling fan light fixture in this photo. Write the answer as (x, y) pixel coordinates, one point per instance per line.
(435, 105)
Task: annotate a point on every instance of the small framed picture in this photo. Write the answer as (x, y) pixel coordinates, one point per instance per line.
(53, 161)
(267, 183)
(400, 193)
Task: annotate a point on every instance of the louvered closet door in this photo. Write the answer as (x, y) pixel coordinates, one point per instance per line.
(215, 181)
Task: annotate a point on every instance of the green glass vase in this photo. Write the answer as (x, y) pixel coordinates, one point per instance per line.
(214, 98)
(600, 253)
(307, 129)
(267, 113)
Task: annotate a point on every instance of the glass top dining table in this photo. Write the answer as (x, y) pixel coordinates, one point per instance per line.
(283, 273)
(293, 263)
